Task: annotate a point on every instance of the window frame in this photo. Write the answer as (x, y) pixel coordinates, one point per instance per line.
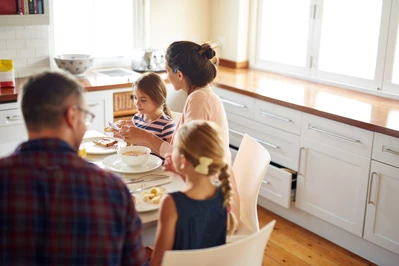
(381, 84)
(140, 12)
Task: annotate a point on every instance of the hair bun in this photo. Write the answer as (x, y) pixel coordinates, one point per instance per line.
(210, 53)
(207, 51)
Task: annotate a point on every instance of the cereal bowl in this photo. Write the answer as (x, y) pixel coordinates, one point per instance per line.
(134, 155)
(76, 64)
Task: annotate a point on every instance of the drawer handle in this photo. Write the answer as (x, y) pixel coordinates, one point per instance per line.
(299, 160)
(265, 182)
(333, 134)
(14, 118)
(258, 140)
(233, 103)
(371, 187)
(93, 104)
(390, 151)
(275, 116)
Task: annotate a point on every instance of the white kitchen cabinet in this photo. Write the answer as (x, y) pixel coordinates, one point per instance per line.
(382, 216)
(12, 128)
(235, 103)
(100, 103)
(332, 176)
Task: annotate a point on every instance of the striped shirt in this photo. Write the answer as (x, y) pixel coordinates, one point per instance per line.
(163, 127)
(58, 209)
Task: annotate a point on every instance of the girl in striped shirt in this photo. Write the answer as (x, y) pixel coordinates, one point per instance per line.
(149, 94)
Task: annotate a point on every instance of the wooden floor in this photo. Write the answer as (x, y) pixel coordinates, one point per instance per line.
(291, 244)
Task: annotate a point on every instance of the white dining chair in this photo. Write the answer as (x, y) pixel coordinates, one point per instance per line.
(249, 168)
(176, 116)
(247, 251)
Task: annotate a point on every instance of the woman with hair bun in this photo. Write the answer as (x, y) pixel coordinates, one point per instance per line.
(190, 67)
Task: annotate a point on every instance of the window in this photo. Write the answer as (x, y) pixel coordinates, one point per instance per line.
(351, 43)
(101, 28)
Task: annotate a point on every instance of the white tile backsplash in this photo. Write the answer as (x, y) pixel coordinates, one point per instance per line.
(27, 46)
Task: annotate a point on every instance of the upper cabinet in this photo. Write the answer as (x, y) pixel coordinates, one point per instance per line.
(25, 19)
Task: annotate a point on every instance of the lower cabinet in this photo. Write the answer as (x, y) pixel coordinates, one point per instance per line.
(382, 215)
(332, 185)
(12, 128)
(100, 103)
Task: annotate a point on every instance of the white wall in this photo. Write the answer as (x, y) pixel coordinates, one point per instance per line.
(27, 46)
(230, 20)
(175, 20)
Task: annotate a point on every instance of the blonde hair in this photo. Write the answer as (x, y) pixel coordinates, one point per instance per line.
(152, 85)
(197, 139)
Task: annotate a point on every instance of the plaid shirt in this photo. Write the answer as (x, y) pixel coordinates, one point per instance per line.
(58, 209)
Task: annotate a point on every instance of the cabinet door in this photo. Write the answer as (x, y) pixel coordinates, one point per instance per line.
(332, 185)
(12, 130)
(97, 108)
(382, 216)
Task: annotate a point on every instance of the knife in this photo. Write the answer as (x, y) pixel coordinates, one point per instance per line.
(144, 188)
(113, 126)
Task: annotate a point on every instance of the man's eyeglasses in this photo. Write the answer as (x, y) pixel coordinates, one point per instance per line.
(88, 117)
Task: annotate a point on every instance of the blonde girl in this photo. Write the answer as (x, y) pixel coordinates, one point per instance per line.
(154, 116)
(196, 217)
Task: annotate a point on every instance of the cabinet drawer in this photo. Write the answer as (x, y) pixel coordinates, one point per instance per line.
(342, 136)
(236, 103)
(276, 186)
(386, 149)
(278, 116)
(12, 127)
(282, 146)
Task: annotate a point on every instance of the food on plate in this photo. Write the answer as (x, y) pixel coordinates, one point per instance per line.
(105, 142)
(135, 153)
(153, 195)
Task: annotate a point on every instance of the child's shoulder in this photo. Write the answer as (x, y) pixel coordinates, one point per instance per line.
(164, 116)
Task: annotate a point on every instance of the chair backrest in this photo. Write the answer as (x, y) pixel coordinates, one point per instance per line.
(249, 168)
(247, 251)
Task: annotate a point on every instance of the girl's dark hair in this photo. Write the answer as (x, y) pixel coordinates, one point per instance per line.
(193, 60)
(152, 85)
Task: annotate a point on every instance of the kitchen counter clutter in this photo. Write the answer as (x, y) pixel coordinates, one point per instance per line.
(358, 109)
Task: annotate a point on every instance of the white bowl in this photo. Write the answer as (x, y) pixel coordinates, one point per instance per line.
(77, 64)
(134, 160)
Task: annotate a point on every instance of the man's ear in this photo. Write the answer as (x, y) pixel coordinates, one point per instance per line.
(71, 116)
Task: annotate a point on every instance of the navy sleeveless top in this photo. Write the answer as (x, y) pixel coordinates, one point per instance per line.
(200, 223)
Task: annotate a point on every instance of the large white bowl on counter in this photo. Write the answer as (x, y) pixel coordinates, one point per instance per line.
(76, 64)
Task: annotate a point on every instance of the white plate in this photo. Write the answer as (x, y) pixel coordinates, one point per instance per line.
(115, 164)
(92, 148)
(142, 206)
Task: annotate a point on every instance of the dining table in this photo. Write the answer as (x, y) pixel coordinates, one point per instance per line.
(148, 216)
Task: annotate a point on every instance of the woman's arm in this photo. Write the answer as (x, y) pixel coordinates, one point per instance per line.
(166, 229)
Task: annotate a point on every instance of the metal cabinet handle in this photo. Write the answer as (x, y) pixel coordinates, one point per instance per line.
(333, 134)
(93, 104)
(258, 140)
(14, 118)
(371, 187)
(275, 116)
(233, 103)
(390, 151)
(299, 161)
(265, 182)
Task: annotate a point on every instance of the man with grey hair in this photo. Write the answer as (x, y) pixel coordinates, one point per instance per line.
(55, 207)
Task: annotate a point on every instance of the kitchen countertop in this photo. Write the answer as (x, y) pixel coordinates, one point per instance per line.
(351, 107)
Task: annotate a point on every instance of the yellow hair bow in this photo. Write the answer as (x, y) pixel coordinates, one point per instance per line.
(203, 166)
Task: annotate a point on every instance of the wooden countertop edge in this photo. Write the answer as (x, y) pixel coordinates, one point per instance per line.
(372, 127)
(338, 118)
